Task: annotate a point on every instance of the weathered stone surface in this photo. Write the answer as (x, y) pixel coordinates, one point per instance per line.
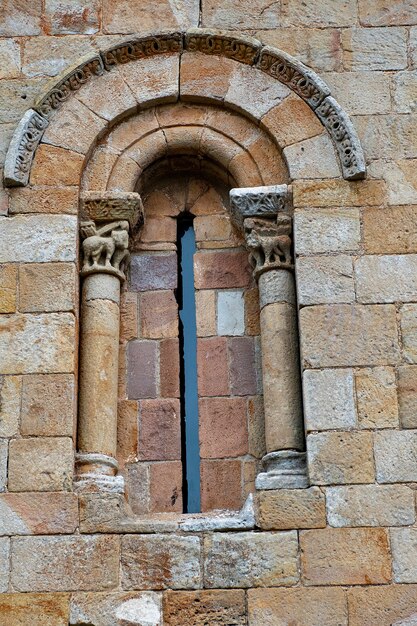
(222, 427)
(118, 102)
(349, 335)
(10, 398)
(407, 395)
(153, 80)
(72, 17)
(38, 238)
(292, 121)
(370, 505)
(324, 14)
(302, 158)
(383, 13)
(395, 454)
(44, 200)
(52, 55)
(338, 193)
(4, 564)
(222, 270)
(38, 513)
(65, 563)
(153, 271)
(325, 280)
(393, 605)
(405, 91)
(408, 319)
(376, 397)
(9, 59)
(205, 301)
(221, 608)
(3, 463)
(221, 484)
(345, 556)
(123, 17)
(291, 508)
(142, 369)
(159, 430)
(232, 15)
(47, 287)
(169, 368)
(165, 490)
(329, 399)
(161, 562)
(48, 405)
(24, 19)
(361, 93)
(404, 553)
(41, 464)
(243, 366)
(230, 313)
(374, 48)
(212, 366)
(326, 230)
(47, 166)
(123, 609)
(387, 278)
(340, 458)
(33, 609)
(251, 559)
(37, 343)
(302, 607)
(158, 314)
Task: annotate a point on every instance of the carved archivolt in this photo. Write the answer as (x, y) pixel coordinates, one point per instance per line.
(296, 76)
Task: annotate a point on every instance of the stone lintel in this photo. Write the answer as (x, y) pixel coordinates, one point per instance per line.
(285, 469)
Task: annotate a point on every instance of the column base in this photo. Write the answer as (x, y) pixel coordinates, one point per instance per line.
(286, 469)
(97, 473)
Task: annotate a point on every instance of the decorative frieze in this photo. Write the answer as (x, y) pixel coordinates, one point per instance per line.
(141, 48)
(259, 201)
(22, 148)
(244, 50)
(269, 243)
(294, 75)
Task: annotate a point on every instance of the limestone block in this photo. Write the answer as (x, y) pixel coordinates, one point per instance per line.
(292, 121)
(340, 458)
(368, 49)
(205, 301)
(119, 98)
(326, 13)
(221, 484)
(390, 136)
(142, 369)
(326, 230)
(9, 59)
(70, 17)
(370, 505)
(48, 166)
(48, 405)
(407, 395)
(10, 399)
(30, 609)
(346, 335)
(52, 55)
(154, 80)
(395, 454)
(41, 464)
(329, 399)
(408, 318)
(109, 609)
(390, 231)
(250, 559)
(38, 513)
(13, 91)
(404, 554)
(312, 158)
(386, 278)
(304, 607)
(338, 193)
(4, 563)
(223, 427)
(37, 238)
(325, 280)
(46, 287)
(165, 487)
(376, 396)
(401, 180)
(256, 426)
(384, 13)
(405, 92)
(124, 16)
(160, 562)
(230, 313)
(198, 607)
(79, 563)
(44, 200)
(37, 343)
(291, 508)
(3, 463)
(382, 605)
(361, 93)
(345, 556)
(25, 19)
(158, 314)
(235, 16)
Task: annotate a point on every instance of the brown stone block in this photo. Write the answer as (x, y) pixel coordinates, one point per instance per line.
(339, 193)
(56, 166)
(291, 508)
(127, 431)
(128, 316)
(153, 271)
(291, 121)
(223, 427)
(256, 426)
(244, 171)
(166, 487)
(205, 301)
(46, 287)
(41, 464)
(301, 607)
(79, 563)
(252, 312)
(48, 405)
(199, 608)
(382, 606)
(158, 315)
(159, 229)
(10, 404)
(212, 367)
(8, 286)
(38, 513)
(204, 199)
(142, 369)
(407, 395)
(70, 18)
(213, 228)
(390, 231)
(221, 485)
(202, 74)
(269, 161)
(242, 366)
(345, 556)
(169, 363)
(34, 609)
(222, 270)
(123, 17)
(159, 430)
(44, 200)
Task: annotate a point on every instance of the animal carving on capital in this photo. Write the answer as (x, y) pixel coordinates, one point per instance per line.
(105, 249)
(269, 243)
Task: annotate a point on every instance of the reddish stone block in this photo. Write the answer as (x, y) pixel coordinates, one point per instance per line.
(212, 366)
(199, 608)
(252, 312)
(128, 316)
(158, 314)
(142, 369)
(221, 485)
(222, 270)
(159, 430)
(242, 366)
(153, 271)
(169, 368)
(127, 431)
(223, 427)
(166, 487)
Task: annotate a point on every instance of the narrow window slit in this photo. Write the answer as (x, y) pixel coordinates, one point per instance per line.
(188, 365)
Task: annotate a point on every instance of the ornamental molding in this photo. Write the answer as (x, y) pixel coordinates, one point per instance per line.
(277, 64)
(259, 201)
(112, 206)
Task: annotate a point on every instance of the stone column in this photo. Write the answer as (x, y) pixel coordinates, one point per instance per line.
(105, 232)
(264, 214)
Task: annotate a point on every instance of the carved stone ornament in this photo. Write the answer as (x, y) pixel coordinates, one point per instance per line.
(258, 201)
(105, 249)
(269, 243)
(244, 50)
(112, 206)
(141, 48)
(22, 148)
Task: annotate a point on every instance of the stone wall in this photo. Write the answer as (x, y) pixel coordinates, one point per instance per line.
(342, 551)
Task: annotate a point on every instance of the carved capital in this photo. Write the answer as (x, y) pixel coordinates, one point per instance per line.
(259, 202)
(269, 243)
(105, 249)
